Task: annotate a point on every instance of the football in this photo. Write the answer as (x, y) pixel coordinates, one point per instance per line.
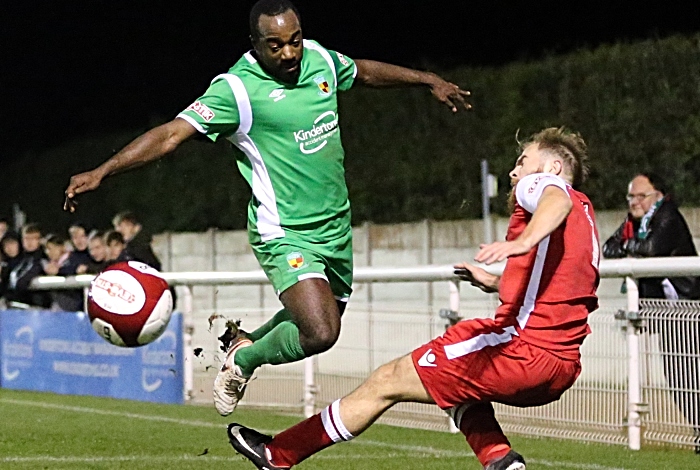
(129, 304)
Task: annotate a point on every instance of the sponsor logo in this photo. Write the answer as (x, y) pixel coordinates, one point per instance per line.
(278, 94)
(114, 289)
(427, 359)
(534, 184)
(118, 292)
(314, 139)
(18, 353)
(202, 110)
(323, 86)
(295, 260)
(342, 59)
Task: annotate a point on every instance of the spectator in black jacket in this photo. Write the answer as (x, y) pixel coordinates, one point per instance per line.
(28, 267)
(115, 247)
(97, 247)
(58, 264)
(80, 254)
(138, 241)
(10, 256)
(655, 227)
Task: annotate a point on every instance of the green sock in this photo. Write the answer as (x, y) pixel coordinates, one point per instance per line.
(279, 346)
(279, 317)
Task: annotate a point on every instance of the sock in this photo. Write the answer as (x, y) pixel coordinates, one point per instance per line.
(484, 435)
(279, 346)
(279, 317)
(299, 442)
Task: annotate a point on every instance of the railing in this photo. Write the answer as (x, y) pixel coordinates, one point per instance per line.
(577, 415)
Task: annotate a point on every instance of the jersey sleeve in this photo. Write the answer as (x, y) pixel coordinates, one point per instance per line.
(346, 70)
(215, 113)
(529, 189)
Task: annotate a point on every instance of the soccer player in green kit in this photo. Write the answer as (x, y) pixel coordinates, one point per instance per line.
(278, 105)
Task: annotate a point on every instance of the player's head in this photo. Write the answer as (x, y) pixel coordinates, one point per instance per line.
(644, 191)
(275, 31)
(553, 150)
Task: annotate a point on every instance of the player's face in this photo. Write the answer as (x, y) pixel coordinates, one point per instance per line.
(529, 162)
(279, 47)
(641, 196)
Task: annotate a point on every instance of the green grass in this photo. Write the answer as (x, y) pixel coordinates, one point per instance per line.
(40, 430)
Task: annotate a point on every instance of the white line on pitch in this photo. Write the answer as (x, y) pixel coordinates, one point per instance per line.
(431, 451)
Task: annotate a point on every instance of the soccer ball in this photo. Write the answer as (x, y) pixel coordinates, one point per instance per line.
(129, 304)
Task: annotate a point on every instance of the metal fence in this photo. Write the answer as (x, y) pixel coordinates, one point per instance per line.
(640, 365)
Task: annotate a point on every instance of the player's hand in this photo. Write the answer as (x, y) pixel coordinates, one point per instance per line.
(478, 277)
(498, 251)
(78, 184)
(450, 94)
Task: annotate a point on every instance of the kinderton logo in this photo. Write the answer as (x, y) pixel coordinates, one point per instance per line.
(314, 139)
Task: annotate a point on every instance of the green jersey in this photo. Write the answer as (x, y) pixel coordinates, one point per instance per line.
(288, 133)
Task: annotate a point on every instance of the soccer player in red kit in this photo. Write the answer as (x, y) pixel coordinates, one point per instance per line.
(527, 356)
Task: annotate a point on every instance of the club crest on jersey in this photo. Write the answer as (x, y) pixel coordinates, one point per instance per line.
(202, 110)
(323, 86)
(295, 260)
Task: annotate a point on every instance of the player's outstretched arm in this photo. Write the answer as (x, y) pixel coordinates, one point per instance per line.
(379, 74)
(552, 208)
(148, 147)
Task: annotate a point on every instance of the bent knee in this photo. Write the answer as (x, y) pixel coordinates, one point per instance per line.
(319, 340)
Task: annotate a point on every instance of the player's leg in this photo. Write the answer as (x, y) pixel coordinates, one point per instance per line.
(343, 420)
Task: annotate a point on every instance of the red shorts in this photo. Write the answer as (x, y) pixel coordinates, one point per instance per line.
(476, 360)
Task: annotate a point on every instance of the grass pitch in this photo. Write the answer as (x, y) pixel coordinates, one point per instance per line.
(47, 431)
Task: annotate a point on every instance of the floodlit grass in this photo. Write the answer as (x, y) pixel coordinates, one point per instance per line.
(46, 431)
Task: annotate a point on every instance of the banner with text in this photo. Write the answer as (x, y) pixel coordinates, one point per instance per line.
(60, 352)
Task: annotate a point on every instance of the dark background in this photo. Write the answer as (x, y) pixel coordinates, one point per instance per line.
(73, 67)
(82, 70)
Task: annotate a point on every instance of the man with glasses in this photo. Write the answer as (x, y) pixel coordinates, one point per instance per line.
(655, 227)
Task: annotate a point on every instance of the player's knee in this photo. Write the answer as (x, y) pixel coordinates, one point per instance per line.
(321, 338)
(386, 379)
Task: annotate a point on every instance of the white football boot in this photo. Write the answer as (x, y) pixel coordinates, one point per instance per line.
(230, 383)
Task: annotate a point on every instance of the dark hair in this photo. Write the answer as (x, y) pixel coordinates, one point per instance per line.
(125, 216)
(657, 182)
(55, 240)
(114, 236)
(269, 8)
(78, 225)
(97, 234)
(31, 228)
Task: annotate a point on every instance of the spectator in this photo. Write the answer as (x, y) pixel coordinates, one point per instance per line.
(655, 227)
(97, 248)
(4, 226)
(79, 240)
(28, 267)
(138, 241)
(115, 247)
(10, 256)
(57, 264)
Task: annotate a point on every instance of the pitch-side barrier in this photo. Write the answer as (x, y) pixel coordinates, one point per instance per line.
(640, 380)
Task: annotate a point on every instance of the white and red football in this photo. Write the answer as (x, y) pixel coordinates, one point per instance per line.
(129, 304)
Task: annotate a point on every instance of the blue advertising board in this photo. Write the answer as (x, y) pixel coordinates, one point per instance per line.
(60, 352)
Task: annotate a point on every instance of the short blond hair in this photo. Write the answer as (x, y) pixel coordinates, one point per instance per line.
(567, 145)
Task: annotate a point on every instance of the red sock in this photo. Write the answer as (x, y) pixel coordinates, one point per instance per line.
(299, 442)
(484, 435)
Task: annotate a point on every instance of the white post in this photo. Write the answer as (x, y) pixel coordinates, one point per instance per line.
(454, 306)
(187, 330)
(634, 384)
(309, 387)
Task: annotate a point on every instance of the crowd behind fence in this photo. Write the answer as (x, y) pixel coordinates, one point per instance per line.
(637, 385)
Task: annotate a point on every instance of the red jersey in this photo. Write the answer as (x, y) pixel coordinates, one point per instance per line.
(547, 293)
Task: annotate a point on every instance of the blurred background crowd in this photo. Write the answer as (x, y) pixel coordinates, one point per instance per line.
(28, 253)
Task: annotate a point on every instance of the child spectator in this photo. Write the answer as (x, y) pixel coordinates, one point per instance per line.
(28, 267)
(10, 256)
(98, 254)
(115, 247)
(58, 264)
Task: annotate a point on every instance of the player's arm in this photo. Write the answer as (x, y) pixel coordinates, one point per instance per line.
(552, 209)
(381, 75)
(150, 146)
